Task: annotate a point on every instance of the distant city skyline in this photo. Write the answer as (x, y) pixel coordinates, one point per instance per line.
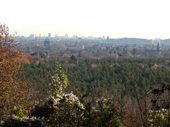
(147, 19)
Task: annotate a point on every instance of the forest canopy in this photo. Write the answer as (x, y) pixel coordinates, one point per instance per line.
(109, 75)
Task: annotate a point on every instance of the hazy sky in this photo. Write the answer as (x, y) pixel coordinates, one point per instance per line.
(114, 18)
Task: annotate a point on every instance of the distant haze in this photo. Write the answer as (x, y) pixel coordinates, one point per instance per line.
(114, 18)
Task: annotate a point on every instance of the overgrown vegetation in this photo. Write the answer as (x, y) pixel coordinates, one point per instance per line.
(13, 92)
(107, 92)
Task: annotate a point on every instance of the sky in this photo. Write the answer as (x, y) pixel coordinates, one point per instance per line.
(148, 19)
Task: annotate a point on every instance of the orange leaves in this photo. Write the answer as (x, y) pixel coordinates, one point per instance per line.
(22, 59)
(23, 84)
(117, 56)
(155, 66)
(93, 65)
(3, 49)
(66, 62)
(10, 89)
(29, 57)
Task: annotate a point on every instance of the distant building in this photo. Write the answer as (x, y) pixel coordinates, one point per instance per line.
(49, 35)
(158, 50)
(39, 37)
(82, 46)
(56, 35)
(90, 37)
(74, 36)
(159, 47)
(66, 35)
(31, 37)
(47, 43)
(36, 38)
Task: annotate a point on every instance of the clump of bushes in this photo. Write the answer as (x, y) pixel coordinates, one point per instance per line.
(158, 118)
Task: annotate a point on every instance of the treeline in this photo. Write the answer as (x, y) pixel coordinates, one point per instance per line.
(98, 76)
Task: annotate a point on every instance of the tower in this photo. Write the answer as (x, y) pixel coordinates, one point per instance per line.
(49, 35)
(152, 41)
(39, 37)
(35, 38)
(159, 47)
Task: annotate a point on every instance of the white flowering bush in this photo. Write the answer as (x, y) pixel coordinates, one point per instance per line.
(158, 118)
(71, 111)
(59, 81)
(15, 121)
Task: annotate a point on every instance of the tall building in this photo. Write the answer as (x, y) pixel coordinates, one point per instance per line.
(49, 35)
(66, 35)
(36, 38)
(39, 37)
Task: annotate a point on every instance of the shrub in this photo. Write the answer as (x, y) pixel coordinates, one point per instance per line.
(18, 111)
(158, 118)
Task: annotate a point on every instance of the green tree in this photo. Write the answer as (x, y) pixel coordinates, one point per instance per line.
(79, 54)
(73, 57)
(134, 51)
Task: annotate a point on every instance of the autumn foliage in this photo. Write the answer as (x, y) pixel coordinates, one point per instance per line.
(11, 90)
(117, 56)
(23, 59)
(155, 66)
(93, 65)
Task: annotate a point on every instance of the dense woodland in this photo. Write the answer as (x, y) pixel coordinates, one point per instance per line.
(105, 75)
